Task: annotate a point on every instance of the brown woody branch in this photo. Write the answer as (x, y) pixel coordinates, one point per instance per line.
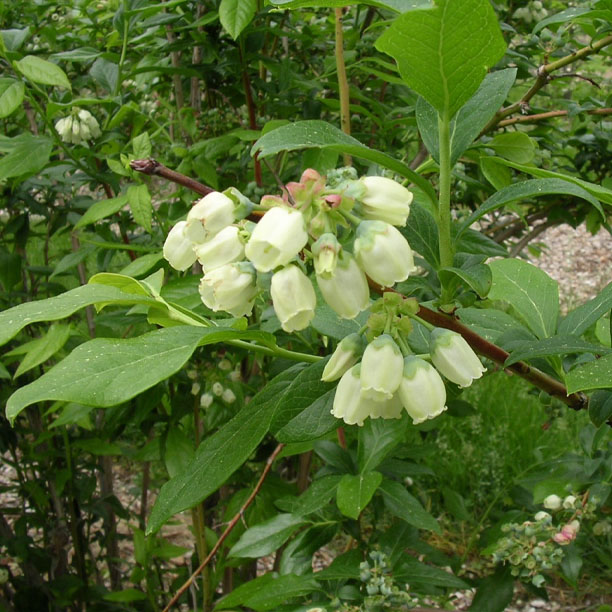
(153, 167)
(550, 115)
(228, 529)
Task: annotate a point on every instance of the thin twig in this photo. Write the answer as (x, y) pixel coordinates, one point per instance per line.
(153, 167)
(550, 115)
(343, 84)
(228, 529)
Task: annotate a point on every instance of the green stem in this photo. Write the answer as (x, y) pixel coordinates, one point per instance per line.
(444, 221)
(343, 84)
(429, 326)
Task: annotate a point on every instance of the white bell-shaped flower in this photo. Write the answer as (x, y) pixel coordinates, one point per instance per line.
(325, 253)
(349, 403)
(346, 291)
(278, 237)
(389, 409)
(293, 298)
(383, 253)
(454, 358)
(223, 248)
(209, 216)
(385, 200)
(231, 288)
(382, 368)
(178, 250)
(346, 355)
(422, 391)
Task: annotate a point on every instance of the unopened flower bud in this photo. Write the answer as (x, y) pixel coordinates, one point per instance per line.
(552, 502)
(217, 389)
(454, 358)
(421, 390)
(209, 216)
(382, 368)
(223, 248)
(225, 364)
(206, 400)
(293, 298)
(325, 251)
(542, 516)
(195, 388)
(385, 200)
(228, 396)
(178, 250)
(346, 355)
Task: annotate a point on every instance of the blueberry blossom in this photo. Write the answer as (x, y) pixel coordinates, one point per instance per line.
(383, 253)
(223, 248)
(278, 237)
(349, 403)
(231, 288)
(384, 199)
(293, 298)
(552, 502)
(178, 249)
(454, 358)
(209, 216)
(382, 368)
(346, 355)
(325, 255)
(421, 390)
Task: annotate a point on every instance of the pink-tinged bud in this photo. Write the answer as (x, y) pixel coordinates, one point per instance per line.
(270, 201)
(310, 174)
(568, 533)
(333, 200)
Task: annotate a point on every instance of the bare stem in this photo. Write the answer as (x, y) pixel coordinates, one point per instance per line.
(153, 167)
(550, 115)
(343, 85)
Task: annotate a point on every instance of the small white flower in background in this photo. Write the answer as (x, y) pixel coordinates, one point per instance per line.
(217, 389)
(569, 502)
(89, 121)
(293, 298)
(235, 375)
(225, 365)
(552, 502)
(325, 255)
(542, 516)
(231, 288)
(385, 200)
(195, 388)
(228, 396)
(602, 528)
(278, 237)
(178, 250)
(206, 400)
(346, 355)
(454, 358)
(192, 374)
(382, 369)
(209, 216)
(223, 248)
(346, 290)
(421, 390)
(349, 403)
(383, 253)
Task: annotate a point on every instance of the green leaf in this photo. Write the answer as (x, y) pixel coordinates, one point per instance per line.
(533, 295)
(45, 347)
(71, 260)
(13, 38)
(139, 199)
(235, 15)
(494, 592)
(320, 134)
(406, 507)
(73, 413)
(595, 374)
(222, 453)
(499, 176)
(343, 567)
(142, 265)
(108, 371)
(413, 571)
(11, 96)
(470, 119)
(82, 54)
(572, 564)
(101, 210)
(477, 277)
(489, 323)
(355, 492)
(562, 17)
(421, 232)
(581, 318)
(41, 71)
(444, 53)
(178, 451)
(377, 438)
(141, 145)
(557, 345)
(316, 496)
(125, 596)
(399, 6)
(265, 538)
(515, 146)
(105, 73)
(527, 189)
(600, 407)
(268, 592)
(61, 306)
(29, 155)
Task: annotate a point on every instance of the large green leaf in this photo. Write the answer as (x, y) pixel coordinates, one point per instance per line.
(377, 438)
(139, 199)
(323, 135)
(494, 592)
(400, 6)
(11, 96)
(470, 119)
(528, 189)
(421, 232)
(413, 571)
(235, 15)
(61, 306)
(108, 371)
(595, 374)
(42, 71)
(515, 146)
(444, 53)
(316, 496)
(533, 295)
(28, 155)
(547, 347)
(355, 492)
(581, 318)
(406, 507)
(44, 348)
(265, 538)
(101, 210)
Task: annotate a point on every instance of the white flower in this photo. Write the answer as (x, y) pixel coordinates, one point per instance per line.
(223, 248)
(383, 253)
(385, 200)
(325, 251)
(195, 388)
(217, 389)
(206, 400)
(231, 288)
(209, 216)
(346, 355)
(225, 364)
(382, 368)
(387, 409)
(421, 390)
(552, 502)
(293, 298)
(542, 516)
(569, 502)
(349, 403)
(278, 237)
(178, 250)
(87, 119)
(454, 358)
(228, 396)
(346, 291)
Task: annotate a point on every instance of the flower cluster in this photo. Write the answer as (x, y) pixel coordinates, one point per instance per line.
(382, 378)
(79, 127)
(532, 13)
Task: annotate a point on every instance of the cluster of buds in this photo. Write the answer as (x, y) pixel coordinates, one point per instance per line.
(381, 378)
(381, 591)
(79, 127)
(532, 13)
